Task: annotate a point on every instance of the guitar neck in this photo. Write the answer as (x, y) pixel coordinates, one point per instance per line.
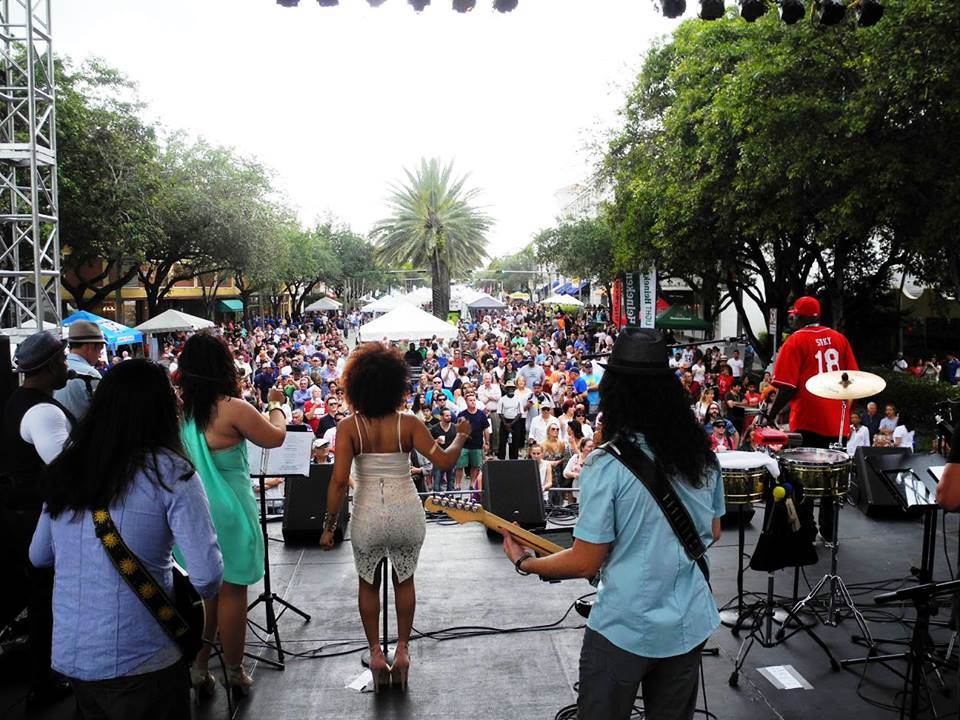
(524, 537)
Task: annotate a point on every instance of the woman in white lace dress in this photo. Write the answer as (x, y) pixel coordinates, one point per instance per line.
(388, 520)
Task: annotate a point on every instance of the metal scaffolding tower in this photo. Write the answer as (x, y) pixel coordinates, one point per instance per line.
(29, 237)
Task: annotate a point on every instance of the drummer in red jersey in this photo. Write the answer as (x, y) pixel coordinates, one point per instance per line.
(812, 349)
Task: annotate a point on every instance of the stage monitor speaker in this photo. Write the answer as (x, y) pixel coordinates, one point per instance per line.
(868, 489)
(511, 489)
(304, 504)
(8, 380)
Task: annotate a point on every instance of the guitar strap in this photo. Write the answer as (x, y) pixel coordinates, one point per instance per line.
(144, 586)
(655, 480)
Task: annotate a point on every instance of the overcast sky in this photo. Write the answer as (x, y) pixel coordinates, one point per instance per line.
(337, 101)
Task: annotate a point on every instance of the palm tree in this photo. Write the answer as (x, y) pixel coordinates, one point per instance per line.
(434, 221)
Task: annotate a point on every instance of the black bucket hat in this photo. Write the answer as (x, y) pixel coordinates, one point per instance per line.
(639, 351)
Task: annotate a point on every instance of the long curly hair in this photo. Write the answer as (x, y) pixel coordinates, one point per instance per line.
(658, 407)
(207, 373)
(376, 379)
(132, 425)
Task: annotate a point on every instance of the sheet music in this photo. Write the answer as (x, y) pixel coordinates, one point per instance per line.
(291, 458)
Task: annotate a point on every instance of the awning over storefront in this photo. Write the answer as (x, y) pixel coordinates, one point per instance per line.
(231, 305)
(681, 317)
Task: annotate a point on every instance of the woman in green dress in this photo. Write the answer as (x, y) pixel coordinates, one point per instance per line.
(216, 424)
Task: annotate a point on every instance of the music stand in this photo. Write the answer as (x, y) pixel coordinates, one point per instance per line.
(915, 492)
(267, 596)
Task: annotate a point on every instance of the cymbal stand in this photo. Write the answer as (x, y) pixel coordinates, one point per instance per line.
(839, 594)
(763, 634)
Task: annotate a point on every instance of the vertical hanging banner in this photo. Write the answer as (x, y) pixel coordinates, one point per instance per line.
(616, 303)
(631, 298)
(647, 282)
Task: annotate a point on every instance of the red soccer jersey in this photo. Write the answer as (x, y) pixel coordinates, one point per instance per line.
(810, 351)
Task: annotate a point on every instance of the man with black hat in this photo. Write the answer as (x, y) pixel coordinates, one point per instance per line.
(86, 344)
(652, 637)
(35, 429)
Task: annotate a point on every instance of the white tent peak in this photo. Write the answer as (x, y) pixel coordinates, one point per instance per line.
(173, 321)
(406, 322)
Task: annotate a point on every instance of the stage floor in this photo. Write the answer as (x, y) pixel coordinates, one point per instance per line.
(464, 580)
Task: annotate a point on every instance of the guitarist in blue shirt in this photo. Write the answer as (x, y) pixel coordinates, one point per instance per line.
(654, 609)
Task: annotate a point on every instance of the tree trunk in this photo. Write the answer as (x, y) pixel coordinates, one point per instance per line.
(440, 272)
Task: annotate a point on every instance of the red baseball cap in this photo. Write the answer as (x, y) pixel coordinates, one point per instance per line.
(806, 306)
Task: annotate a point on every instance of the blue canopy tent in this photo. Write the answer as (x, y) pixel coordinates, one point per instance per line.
(113, 332)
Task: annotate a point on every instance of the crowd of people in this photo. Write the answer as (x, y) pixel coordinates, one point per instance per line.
(525, 382)
(933, 369)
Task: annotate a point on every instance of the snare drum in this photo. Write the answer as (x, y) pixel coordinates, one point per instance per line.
(821, 472)
(745, 476)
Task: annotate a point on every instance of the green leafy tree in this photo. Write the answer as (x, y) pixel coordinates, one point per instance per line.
(360, 271)
(108, 174)
(513, 272)
(580, 248)
(434, 223)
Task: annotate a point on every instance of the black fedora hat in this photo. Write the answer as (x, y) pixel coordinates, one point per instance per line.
(639, 351)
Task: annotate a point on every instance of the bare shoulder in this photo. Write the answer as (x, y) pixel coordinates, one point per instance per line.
(231, 407)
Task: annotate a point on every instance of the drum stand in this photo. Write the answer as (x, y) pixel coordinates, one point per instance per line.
(839, 594)
(728, 616)
(763, 633)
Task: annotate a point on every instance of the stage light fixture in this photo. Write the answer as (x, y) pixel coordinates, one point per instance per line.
(711, 9)
(288, 3)
(328, 3)
(463, 6)
(419, 5)
(792, 11)
(375, 3)
(830, 12)
(869, 12)
(505, 5)
(673, 8)
(751, 10)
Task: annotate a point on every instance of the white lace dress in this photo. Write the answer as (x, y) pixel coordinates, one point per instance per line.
(388, 518)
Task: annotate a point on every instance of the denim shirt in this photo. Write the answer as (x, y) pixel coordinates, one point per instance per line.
(101, 629)
(652, 600)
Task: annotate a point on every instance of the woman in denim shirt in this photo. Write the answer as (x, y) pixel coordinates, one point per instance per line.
(119, 660)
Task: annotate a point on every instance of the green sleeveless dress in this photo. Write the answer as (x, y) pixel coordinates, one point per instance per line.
(233, 507)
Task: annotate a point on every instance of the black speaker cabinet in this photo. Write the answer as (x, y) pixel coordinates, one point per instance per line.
(305, 502)
(868, 489)
(511, 489)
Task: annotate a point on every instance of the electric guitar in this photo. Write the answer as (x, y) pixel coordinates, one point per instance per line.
(467, 512)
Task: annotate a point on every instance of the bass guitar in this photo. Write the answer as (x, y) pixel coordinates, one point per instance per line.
(466, 512)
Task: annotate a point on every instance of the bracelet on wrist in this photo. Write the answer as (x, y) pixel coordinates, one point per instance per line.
(526, 556)
(330, 521)
(274, 406)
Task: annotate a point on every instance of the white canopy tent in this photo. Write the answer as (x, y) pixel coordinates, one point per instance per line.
(568, 300)
(322, 304)
(485, 302)
(406, 322)
(173, 321)
(389, 302)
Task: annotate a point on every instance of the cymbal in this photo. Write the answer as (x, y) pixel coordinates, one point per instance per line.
(845, 385)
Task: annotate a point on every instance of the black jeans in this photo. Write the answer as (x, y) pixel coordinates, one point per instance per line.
(517, 430)
(610, 677)
(827, 530)
(159, 695)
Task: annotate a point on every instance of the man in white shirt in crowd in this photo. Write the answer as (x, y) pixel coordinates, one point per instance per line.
(512, 417)
(488, 395)
(539, 425)
(736, 365)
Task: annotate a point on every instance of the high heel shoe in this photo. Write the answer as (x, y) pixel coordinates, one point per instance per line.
(202, 682)
(401, 666)
(379, 669)
(238, 682)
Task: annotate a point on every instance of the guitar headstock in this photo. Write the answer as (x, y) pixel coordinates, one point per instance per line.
(463, 511)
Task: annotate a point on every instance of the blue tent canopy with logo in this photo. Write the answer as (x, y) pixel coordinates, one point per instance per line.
(113, 332)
